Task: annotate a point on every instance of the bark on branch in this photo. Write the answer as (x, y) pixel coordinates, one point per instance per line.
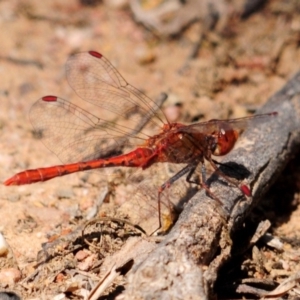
(185, 264)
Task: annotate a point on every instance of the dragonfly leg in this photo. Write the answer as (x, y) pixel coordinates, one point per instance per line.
(244, 188)
(167, 185)
(203, 182)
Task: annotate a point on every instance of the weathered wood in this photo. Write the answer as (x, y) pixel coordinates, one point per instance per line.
(185, 264)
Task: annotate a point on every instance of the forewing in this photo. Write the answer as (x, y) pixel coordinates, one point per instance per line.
(97, 81)
(75, 134)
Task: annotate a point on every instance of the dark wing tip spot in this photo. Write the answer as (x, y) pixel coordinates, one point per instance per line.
(49, 98)
(95, 54)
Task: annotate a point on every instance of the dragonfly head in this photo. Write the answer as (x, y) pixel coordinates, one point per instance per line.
(225, 139)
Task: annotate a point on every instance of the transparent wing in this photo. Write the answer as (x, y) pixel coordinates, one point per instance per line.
(97, 81)
(75, 134)
(235, 124)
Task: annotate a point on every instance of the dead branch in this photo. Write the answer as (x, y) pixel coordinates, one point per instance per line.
(185, 264)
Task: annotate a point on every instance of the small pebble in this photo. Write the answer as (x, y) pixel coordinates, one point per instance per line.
(81, 255)
(272, 241)
(60, 277)
(3, 245)
(144, 55)
(87, 263)
(13, 197)
(60, 296)
(10, 275)
(65, 193)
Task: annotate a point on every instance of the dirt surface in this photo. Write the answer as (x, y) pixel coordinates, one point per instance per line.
(234, 72)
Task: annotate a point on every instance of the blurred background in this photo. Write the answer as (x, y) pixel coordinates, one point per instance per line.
(214, 58)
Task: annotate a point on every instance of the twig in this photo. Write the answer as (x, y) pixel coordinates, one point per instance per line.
(185, 264)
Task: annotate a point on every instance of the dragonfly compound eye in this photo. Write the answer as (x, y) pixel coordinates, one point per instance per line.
(226, 139)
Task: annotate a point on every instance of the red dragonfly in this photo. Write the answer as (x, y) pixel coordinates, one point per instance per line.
(89, 142)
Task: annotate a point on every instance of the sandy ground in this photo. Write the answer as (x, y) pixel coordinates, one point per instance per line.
(233, 74)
